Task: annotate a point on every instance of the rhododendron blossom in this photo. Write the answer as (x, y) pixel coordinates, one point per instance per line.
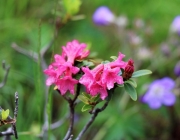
(61, 71)
(75, 51)
(103, 77)
(99, 80)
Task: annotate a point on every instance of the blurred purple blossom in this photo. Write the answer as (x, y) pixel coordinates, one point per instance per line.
(177, 69)
(103, 16)
(165, 49)
(175, 26)
(160, 92)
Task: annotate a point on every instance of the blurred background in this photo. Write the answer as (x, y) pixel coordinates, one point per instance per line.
(142, 30)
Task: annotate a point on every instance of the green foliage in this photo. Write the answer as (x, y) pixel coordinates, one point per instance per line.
(72, 6)
(4, 114)
(131, 82)
(86, 107)
(89, 101)
(141, 73)
(131, 91)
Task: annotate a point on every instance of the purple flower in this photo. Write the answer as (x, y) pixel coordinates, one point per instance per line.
(175, 26)
(160, 92)
(103, 16)
(177, 69)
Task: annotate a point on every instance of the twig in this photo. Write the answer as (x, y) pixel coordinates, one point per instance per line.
(34, 56)
(94, 115)
(58, 123)
(15, 115)
(72, 104)
(8, 132)
(54, 125)
(30, 54)
(6, 68)
(46, 48)
(12, 130)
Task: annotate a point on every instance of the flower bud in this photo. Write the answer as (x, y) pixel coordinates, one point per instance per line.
(128, 71)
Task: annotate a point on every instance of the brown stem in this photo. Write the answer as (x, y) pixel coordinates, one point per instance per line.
(6, 68)
(94, 115)
(71, 108)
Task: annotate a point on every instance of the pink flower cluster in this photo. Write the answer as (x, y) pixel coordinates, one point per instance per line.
(62, 70)
(97, 81)
(103, 77)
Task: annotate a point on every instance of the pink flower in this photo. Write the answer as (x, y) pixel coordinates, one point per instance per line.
(103, 77)
(110, 77)
(118, 62)
(97, 88)
(52, 75)
(66, 83)
(91, 80)
(75, 51)
(60, 73)
(87, 79)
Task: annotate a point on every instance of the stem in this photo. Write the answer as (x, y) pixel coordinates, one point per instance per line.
(6, 68)
(15, 115)
(72, 108)
(94, 115)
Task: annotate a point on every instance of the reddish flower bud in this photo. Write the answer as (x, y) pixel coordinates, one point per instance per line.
(129, 69)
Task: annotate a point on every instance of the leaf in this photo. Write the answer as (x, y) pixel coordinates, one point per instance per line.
(72, 6)
(132, 82)
(83, 98)
(131, 91)
(86, 95)
(122, 85)
(5, 114)
(141, 73)
(95, 98)
(113, 57)
(86, 107)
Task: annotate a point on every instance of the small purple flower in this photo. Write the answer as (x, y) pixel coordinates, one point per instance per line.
(177, 69)
(103, 16)
(175, 26)
(160, 92)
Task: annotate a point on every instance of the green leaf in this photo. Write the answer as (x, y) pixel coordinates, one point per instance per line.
(132, 82)
(122, 85)
(113, 57)
(72, 6)
(86, 95)
(5, 114)
(131, 91)
(141, 73)
(95, 98)
(84, 99)
(86, 107)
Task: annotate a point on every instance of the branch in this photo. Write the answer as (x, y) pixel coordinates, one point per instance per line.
(94, 113)
(46, 48)
(8, 132)
(54, 125)
(6, 68)
(72, 104)
(30, 54)
(12, 130)
(58, 123)
(15, 114)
